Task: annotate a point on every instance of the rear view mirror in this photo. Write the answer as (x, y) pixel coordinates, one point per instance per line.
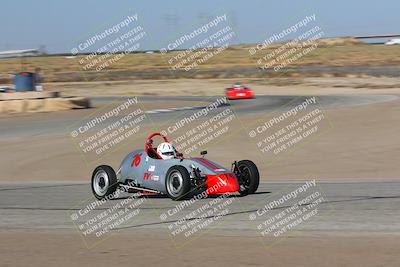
(203, 152)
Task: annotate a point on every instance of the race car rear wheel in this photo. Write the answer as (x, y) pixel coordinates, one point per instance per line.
(104, 181)
(177, 182)
(249, 177)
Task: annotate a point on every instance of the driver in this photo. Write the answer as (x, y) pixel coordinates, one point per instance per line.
(166, 150)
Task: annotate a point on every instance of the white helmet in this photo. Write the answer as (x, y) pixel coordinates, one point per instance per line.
(166, 150)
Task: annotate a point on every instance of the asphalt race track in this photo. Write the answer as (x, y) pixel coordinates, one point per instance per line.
(347, 207)
(351, 206)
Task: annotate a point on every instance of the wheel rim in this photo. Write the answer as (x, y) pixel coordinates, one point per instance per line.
(175, 183)
(245, 173)
(100, 183)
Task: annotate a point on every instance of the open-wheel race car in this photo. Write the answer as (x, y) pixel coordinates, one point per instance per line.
(163, 170)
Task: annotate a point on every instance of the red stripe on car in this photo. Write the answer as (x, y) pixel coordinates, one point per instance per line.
(207, 163)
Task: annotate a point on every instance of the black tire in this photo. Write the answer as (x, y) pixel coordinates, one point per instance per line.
(250, 177)
(104, 181)
(177, 182)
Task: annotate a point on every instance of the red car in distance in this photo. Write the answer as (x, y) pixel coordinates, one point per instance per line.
(238, 91)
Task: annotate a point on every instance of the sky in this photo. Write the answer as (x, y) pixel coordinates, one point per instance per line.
(61, 25)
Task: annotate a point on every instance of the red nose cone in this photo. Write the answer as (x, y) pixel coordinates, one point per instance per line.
(221, 183)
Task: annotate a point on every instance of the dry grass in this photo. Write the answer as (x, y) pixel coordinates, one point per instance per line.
(145, 66)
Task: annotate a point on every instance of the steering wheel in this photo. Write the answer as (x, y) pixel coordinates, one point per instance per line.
(149, 144)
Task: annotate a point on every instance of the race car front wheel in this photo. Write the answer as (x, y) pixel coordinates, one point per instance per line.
(104, 181)
(249, 177)
(177, 182)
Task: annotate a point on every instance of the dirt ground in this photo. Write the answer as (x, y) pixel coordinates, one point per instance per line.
(66, 249)
(362, 143)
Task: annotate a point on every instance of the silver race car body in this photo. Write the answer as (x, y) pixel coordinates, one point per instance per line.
(145, 170)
